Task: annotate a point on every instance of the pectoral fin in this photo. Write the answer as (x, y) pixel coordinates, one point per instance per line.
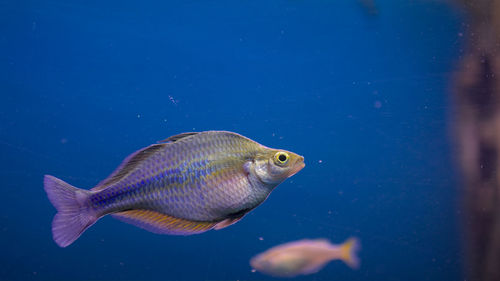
(231, 220)
(225, 223)
(163, 224)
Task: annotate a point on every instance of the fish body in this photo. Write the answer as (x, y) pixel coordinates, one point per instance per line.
(187, 184)
(304, 257)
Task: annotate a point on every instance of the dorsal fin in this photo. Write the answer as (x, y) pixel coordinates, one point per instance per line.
(178, 137)
(161, 223)
(128, 165)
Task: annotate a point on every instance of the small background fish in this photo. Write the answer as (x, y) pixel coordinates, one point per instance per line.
(305, 257)
(187, 184)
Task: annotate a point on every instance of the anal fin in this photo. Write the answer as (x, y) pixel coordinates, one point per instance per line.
(162, 224)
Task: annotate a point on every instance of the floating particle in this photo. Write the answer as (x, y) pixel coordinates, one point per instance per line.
(172, 100)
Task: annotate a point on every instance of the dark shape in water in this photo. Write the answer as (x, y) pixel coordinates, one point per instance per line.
(477, 123)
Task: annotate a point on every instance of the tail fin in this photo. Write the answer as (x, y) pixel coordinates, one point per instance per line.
(349, 251)
(73, 216)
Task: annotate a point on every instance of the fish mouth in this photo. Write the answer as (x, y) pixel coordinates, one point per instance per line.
(299, 165)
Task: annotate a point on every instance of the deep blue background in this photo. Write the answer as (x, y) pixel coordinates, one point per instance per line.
(363, 97)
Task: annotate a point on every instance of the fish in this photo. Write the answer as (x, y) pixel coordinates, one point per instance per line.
(186, 184)
(305, 257)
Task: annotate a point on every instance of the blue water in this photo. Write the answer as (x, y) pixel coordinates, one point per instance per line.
(363, 96)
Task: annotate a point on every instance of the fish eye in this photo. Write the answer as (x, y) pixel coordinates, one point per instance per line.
(281, 158)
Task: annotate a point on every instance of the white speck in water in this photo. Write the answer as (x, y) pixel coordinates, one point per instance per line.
(172, 100)
(377, 104)
(253, 270)
(138, 116)
(261, 238)
(320, 161)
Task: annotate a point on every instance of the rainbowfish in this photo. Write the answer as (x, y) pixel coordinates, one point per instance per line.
(304, 257)
(187, 184)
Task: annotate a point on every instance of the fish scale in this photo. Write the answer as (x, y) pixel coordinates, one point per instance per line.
(222, 182)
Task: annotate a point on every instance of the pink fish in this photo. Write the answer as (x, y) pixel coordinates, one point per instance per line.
(188, 184)
(305, 257)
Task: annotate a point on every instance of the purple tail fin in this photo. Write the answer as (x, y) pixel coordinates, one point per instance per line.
(73, 216)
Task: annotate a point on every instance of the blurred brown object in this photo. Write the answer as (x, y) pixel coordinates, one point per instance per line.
(477, 124)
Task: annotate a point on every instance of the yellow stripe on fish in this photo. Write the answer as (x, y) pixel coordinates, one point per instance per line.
(162, 224)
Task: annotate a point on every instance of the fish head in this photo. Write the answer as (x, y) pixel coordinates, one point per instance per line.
(260, 263)
(280, 263)
(264, 262)
(272, 166)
